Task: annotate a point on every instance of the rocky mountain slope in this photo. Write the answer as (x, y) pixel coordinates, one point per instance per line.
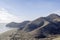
(49, 25)
(43, 28)
(6, 35)
(17, 25)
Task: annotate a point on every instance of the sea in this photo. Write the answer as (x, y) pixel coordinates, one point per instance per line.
(3, 28)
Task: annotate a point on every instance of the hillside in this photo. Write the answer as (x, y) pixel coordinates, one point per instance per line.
(5, 35)
(17, 25)
(42, 28)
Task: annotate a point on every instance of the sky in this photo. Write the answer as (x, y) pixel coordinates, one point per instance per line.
(30, 9)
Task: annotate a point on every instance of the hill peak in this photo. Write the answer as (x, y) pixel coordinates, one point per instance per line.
(53, 15)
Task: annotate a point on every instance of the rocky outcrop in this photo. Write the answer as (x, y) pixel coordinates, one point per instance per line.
(43, 27)
(17, 25)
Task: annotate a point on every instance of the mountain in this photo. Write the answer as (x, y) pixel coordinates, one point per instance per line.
(17, 25)
(42, 28)
(53, 17)
(49, 25)
(34, 24)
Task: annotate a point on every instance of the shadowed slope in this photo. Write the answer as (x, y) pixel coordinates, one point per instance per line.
(34, 24)
(17, 25)
(42, 27)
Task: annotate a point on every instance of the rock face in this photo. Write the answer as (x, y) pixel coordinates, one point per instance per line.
(17, 25)
(42, 27)
(53, 18)
(34, 24)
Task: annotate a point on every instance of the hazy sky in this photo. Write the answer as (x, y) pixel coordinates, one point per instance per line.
(30, 9)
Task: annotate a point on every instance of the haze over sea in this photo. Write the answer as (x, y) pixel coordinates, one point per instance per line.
(3, 28)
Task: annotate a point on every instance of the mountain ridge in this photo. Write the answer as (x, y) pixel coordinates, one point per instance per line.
(42, 27)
